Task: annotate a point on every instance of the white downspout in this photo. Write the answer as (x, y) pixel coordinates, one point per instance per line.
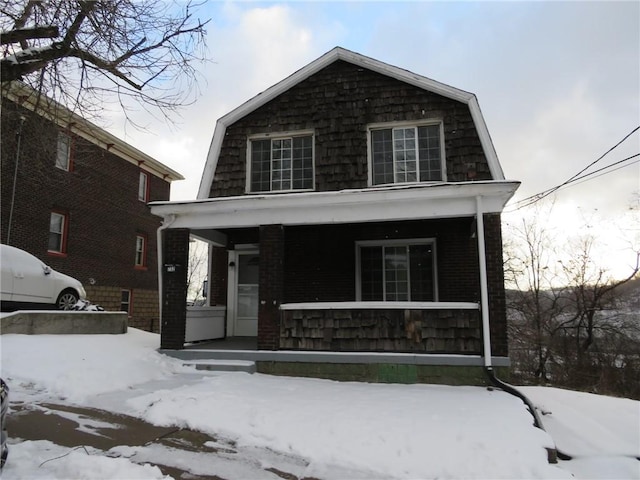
(484, 293)
(166, 223)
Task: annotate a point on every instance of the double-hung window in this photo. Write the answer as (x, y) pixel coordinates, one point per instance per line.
(58, 227)
(281, 163)
(143, 187)
(406, 154)
(63, 152)
(397, 271)
(141, 251)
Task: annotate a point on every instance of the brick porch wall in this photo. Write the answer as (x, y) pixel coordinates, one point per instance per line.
(175, 262)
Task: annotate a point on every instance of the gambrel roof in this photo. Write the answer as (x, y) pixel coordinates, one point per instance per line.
(328, 58)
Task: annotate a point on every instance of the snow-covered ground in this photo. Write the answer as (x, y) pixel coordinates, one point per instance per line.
(328, 429)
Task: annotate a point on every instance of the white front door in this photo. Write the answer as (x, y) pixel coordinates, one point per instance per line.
(247, 278)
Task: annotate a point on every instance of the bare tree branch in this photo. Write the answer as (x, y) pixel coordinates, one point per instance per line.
(146, 50)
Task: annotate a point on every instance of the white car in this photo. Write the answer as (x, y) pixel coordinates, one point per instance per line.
(26, 282)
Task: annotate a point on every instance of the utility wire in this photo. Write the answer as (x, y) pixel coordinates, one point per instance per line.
(525, 202)
(584, 178)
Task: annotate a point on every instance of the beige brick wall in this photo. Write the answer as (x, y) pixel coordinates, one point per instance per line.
(144, 309)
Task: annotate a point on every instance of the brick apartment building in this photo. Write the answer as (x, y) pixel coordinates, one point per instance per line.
(76, 197)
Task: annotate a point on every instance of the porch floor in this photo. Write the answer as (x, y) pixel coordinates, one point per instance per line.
(228, 343)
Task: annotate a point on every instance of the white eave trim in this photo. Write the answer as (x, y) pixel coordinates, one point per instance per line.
(339, 53)
(395, 203)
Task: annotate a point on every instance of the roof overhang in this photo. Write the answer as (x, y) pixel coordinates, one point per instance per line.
(333, 55)
(57, 113)
(394, 203)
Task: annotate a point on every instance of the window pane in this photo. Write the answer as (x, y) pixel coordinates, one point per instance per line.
(404, 142)
(260, 165)
(382, 156)
(302, 163)
(56, 232)
(142, 187)
(429, 151)
(396, 274)
(281, 165)
(140, 251)
(371, 273)
(63, 150)
(421, 268)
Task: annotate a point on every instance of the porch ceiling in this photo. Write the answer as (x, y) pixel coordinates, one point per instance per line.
(394, 203)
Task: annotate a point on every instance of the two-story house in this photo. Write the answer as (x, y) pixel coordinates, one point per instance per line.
(352, 207)
(76, 197)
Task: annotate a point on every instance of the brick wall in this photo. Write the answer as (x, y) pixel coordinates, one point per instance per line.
(174, 287)
(337, 103)
(99, 196)
(219, 260)
(144, 305)
(271, 285)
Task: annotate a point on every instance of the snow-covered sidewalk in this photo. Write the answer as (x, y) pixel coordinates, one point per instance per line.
(369, 430)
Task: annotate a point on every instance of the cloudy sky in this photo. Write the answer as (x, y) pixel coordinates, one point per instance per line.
(558, 84)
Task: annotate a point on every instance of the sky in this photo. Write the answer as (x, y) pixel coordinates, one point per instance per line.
(310, 428)
(558, 84)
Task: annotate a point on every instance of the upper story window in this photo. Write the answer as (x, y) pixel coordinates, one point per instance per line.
(58, 228)
(281, 163)
(396, 270)
(63, 152)
(406, 154)
(143, 187)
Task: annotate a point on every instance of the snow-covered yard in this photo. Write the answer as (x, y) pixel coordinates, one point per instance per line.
(337, 430)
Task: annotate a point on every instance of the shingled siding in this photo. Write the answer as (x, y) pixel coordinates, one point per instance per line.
(338, 103)
(423, 331)
(320, 260)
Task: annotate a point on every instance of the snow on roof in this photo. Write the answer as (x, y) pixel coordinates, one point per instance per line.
(339, 53)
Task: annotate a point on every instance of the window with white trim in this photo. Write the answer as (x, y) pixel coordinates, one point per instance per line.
(281, 163)
(141, 251)
(63, 152)
(397, 271)
(143, 187)
(58, 227)
(406, 154)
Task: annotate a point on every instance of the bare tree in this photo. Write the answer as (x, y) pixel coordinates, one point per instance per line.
(81, 53)
(197, 271)
(568, 324)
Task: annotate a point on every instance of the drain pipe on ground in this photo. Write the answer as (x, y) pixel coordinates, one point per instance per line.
(166, 223)
(486, 336)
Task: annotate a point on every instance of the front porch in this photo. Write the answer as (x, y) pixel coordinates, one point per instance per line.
(352, 291)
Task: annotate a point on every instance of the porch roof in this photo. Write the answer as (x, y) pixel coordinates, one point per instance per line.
(390, 203)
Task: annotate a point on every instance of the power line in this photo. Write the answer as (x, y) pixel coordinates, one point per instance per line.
(581, 179)
(525, 202)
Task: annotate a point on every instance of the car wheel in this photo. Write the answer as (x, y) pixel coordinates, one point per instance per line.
(67, 299)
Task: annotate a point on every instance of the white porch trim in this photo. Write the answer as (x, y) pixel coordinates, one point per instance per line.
(381, 306)
(391, 203)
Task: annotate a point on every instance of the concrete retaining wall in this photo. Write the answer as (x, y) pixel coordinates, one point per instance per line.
(56, 322)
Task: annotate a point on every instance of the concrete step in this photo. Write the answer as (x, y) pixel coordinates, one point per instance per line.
(223, 365)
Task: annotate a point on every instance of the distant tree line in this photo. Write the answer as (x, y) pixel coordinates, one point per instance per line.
(571, 324)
